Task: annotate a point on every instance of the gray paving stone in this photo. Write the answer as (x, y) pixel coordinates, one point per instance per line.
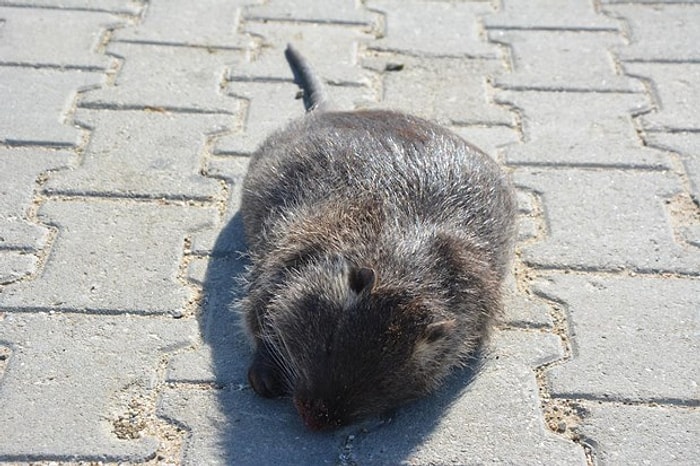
(675, 92)
(169, 77)
(580, 128)
(523, 309)
(142, 154)
(607, 220)
(15, 265)
(212, 23)
(527, 202)
(527, 229)
(219, 240)
(495, 420)
(562, 61)
(231, 169)
(447, 90)
(20, 238)
(21, 235)
(660, 32)
(334, 60)
(233, 426)
(490, 139)
(59, 38)
(226, 354)
(529, 225)
(447, 29)
(69, 377)
(131, 7)
(316, 11)
(613, 2)
(652, 318)
(483, 423)
(37, 103)
(272, 105)
(124, 258)
(529, 348)
(19, 170)
(548, 14)
(687, 145)
(642, 434)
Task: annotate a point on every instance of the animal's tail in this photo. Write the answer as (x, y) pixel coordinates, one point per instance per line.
(315, 97)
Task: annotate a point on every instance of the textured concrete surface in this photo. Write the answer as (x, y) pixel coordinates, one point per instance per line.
(125, 130)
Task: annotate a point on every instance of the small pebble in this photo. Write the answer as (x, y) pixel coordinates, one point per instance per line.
(393, 67)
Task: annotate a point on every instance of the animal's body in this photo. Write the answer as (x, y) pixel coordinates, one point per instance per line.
(379, 243)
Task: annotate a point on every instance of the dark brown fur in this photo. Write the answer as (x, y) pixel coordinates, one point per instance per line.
(379, 242)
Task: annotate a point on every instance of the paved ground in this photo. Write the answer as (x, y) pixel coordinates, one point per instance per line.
(125, 127)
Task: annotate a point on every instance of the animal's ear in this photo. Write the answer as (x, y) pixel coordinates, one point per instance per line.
(430, 346)
(361, 278)
(438, 330)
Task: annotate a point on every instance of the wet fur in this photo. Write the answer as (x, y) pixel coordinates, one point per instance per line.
(378, 243)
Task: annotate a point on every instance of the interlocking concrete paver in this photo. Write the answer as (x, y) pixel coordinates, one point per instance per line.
(124, 259)
(267, 65)
(69, 378)
(268, 108)
(563, 60)
(580, 128)
(212, 241)
(37, 102)
(208, 23)
(15, 265)
(657, 324)
(234, 426)
(271, 106)
(643, 434)
(225, 358)
(447, 29)
(448, 90)
(131, 7)
(660, 32)
(548, 15)
(643, 2)
(492, 421)
(19, 170)
(607, 222)
(523, 309)
(317, 11)
(676, 94)
(20, 238)
(490, 139)
(154, 76)
(56, 38)
(687, 145)
(154, 154)
(528, 224)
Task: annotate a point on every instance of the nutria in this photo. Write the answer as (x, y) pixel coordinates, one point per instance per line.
(378, 244)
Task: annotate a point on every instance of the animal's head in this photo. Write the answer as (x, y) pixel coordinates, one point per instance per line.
(349, 345)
